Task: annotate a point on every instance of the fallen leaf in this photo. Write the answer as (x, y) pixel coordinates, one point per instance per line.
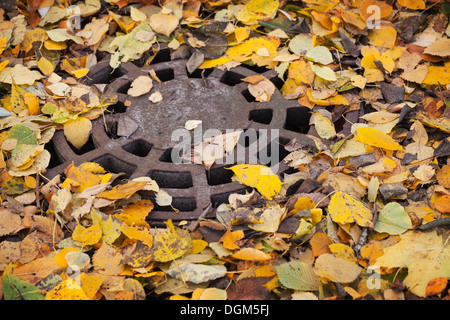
(336, 269)
(171, 244)
(393, 219)
(163, 23)
(425, 255)
(77, 131)
(197, 273)
(345, 209)
(140, 86)
(297, 275)
(260, 177)
(250, 254)
(376, 138)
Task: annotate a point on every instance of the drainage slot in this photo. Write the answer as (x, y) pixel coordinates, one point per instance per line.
(55, 159)
(162, 56)
(114, 165)
(218, 199)
(263, 116)
(256, 68)
(117, 73)
(165, 75)
(139, 148)
(279, 152)
(277, 82)
(248, 96)
(88, 146)
(231, 78)
(220, 175)
(172, 179)
(200, 73)
(166, 156)
(118, 107)
(297, 119)
(183, 204)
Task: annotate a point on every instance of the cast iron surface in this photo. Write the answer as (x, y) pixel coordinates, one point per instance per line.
(219, 98)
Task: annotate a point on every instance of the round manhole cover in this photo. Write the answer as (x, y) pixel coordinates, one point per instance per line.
(139, 137)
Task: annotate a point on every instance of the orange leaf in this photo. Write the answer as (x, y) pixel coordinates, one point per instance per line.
(436, 286)
(229, 238)
(320, 243)
(442, 204)
(250, 254)
(123, 191)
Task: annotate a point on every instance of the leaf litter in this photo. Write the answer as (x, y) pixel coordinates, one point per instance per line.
(372, 195)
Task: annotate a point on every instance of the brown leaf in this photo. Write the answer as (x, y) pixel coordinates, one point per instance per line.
(10, 222)
(250, 288)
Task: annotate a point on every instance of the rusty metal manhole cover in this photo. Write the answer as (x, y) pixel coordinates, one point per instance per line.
(219, 98)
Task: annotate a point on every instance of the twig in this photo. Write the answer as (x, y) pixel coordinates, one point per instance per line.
(38, 202)
(435, 223)
(204, 213)
(366, 232)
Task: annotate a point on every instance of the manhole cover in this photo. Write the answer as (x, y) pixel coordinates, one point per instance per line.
(138, 140)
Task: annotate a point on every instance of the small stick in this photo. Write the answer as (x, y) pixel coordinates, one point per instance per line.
(366, 232)
(38, 202)
(194, 226)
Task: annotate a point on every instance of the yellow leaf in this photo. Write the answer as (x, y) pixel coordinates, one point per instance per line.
(135, 214)
(91, 283)
(17, 93)
(163, 23)
(77, 131)
(123, 191)
(171, 244)
(323, 125)
(214, 62)
(344, 208)
(257, 9)
(426, 255)
(249, 49)
(343, 251)
(412, 4)
(331, 101)
(66, 290)
(229, 238)
(87, 236)
(53, 45)
(384, 36)
(251, 254)
(3, 44)
(438, 75)
(138, 233)
(32, 103)
(60, 257)
(260, 177)
(376, 138)
(301, 72)
(45, 66)
(198, 245)
(109, 225)
(241, 33)
(80, 73)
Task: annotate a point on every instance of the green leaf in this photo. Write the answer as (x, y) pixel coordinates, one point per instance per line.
(298, 275)
(320, 54)
(16, 289)
(393, 219)
(22, 134)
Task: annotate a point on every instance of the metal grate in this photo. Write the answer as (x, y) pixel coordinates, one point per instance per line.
(219, 98)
